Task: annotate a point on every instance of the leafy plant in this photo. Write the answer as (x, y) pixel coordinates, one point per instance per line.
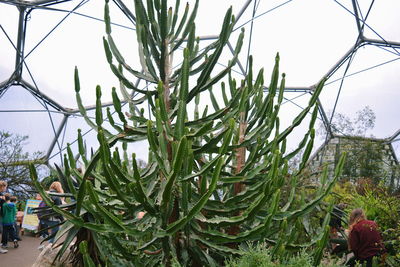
(379, 205)
(214, 178)
(14, 164)
(260, 255)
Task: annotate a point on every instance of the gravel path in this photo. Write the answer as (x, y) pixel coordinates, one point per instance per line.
(23, 256)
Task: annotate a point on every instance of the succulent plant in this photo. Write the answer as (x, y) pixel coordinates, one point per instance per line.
(213, 179)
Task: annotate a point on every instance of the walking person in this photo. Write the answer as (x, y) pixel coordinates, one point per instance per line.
(3, 188)
(53, 220)
(9, 215)
(43, 234)
(365, 240)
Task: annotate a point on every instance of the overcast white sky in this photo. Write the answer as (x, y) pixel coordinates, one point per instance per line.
(310, 35)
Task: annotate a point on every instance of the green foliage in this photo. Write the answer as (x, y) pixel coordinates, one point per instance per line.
(212, 182)
(14, 164)
(358, 125)
(260, 256)
(379, 205)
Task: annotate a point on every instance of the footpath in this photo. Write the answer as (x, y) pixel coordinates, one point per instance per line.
(23, 256)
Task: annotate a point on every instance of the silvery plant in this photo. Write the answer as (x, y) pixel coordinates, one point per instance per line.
(216, 178)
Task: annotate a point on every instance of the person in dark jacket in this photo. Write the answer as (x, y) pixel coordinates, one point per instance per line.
(53, 220)
(365, 240)
(3, 188)
(9, 215)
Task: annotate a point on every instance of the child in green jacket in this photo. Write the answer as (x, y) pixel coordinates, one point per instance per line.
(9, 213)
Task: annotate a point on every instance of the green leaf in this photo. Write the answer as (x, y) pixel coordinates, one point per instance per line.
(99, 113)
(141, 196)
(188, 28)
(179, 131)
(176, 226)
(108, 216)
(83, 249)
(177, 165)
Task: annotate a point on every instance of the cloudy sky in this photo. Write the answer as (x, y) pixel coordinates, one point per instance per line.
(310, 35)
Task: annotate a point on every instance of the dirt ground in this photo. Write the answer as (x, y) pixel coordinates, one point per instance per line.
(23, 256)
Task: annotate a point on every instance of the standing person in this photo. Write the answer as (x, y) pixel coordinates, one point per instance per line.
(365, 239)
(9, 215)
(56, 187)
(42, 224)
(18, 224)
(3, 188)
(54, 220)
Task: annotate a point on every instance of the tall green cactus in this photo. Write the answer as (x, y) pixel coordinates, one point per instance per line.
(213, 180)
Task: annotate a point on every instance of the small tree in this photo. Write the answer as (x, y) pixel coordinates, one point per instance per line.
(356, 126)
(213, 179)
(14, 163)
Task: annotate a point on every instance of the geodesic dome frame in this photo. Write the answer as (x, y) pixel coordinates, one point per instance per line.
(27, 6)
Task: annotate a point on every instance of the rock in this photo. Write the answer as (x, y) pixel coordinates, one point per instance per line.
(46, 258)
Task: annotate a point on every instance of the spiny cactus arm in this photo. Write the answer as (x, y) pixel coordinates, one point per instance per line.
(221, 249)
(81, 147)
(227, 138)
(179, 156)
(307, 151)
(229, 111)
(255, 206)
(66, 179)
(192, 43)
(204, 169)
(71, 157)
(183, 93)
(257, 100)
(203, 83)
(249, 193)
(151, 20)
(204, 129)
(147, 36)
(176, 226)
(224, 36)
(108, 217)
(111, 50)
(214, 101)
(293, 185)
(211, 145)
(139, 192)
(309, 206)
(223, 238)
(112, 122)
(117, 106)
(128, 83)
(196, 56)
(188, 27)
(114, 185)
(174, 17)
(87, 260)
(145, 55)
(161, 108)
(224, 95)
(321, 243)
(255, 232)
(155, 149)
(278, 249)
(81, 107)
